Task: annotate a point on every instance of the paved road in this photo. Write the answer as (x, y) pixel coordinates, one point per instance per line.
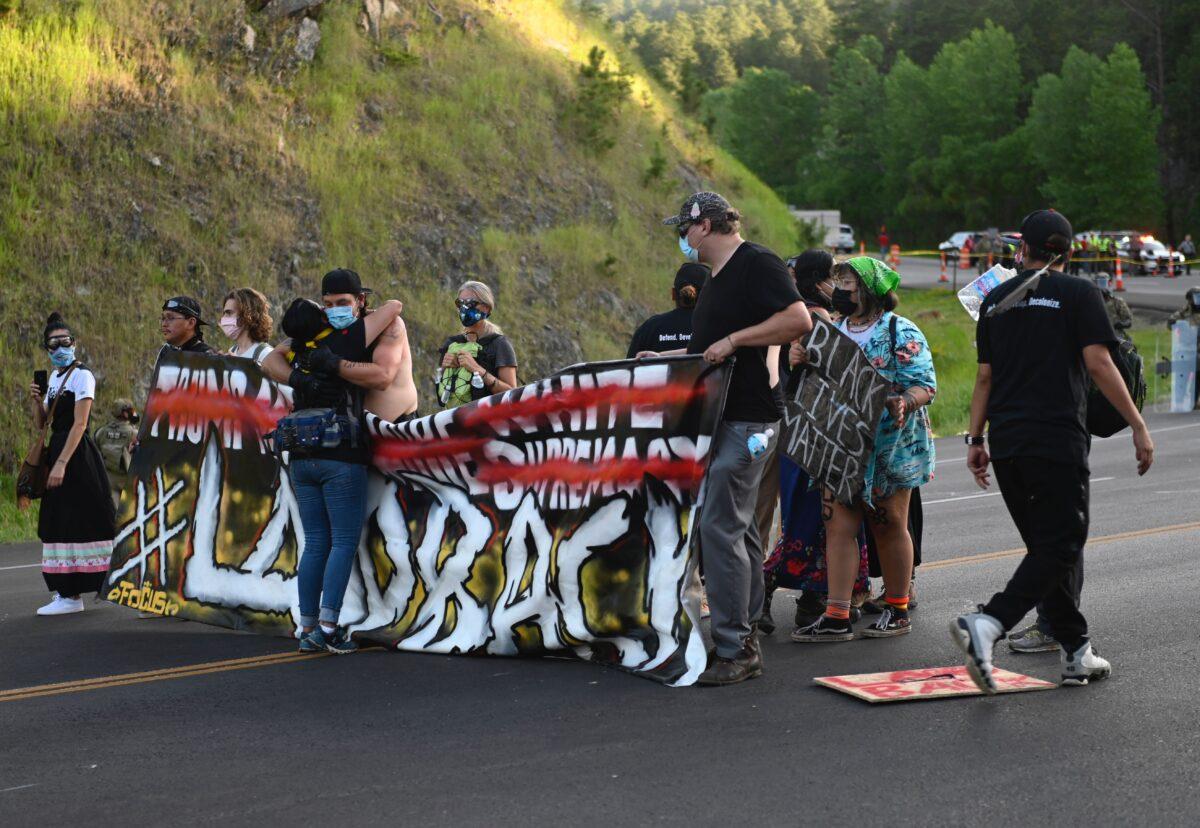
(392, 738)
(1143, 292)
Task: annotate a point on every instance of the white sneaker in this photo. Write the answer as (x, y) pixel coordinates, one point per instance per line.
(1082, 665)
(62, 606)
(976, 634)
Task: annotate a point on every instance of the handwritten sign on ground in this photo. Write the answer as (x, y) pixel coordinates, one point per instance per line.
(928, 683)
(831, 413)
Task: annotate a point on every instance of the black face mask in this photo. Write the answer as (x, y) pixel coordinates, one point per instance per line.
(843, 302)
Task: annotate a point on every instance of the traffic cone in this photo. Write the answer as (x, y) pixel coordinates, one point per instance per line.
(1170, 262)
(862, 248)
(991, 259)
(895, 256)
(943, 277)
(1119, 287)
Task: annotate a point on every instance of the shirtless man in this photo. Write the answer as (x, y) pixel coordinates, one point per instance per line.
(387, 378)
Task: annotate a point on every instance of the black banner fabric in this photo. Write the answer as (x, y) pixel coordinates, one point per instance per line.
(832, 411)
(554, 518)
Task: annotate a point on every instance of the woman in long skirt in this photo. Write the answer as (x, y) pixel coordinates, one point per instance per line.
(77, 523)
(798, 559)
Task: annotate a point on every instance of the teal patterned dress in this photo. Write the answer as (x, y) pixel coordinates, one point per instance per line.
(903, 457)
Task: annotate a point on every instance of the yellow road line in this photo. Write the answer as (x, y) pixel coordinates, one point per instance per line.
(185, 671)
(208, 668)
(1012, 553)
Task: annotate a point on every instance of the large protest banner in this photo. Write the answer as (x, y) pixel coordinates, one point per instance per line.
(552, 518)
(831, 412)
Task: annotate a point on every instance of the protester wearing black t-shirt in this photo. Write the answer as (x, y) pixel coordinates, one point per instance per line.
(480, 361)
(749, 304)
(673, 329)
(1040, 336)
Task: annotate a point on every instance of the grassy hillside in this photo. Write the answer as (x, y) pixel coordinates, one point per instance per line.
(149, 149)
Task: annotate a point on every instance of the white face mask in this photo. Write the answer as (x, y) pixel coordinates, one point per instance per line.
(230, 326)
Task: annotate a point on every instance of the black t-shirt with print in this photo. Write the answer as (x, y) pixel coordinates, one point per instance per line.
(495, 352)
(1038, 401)
(752, 286)
(665, 332)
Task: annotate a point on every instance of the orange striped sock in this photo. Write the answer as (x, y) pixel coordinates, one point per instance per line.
(900, 603)
(839, 610)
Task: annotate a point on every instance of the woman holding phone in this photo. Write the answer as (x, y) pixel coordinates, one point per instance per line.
(77, 523)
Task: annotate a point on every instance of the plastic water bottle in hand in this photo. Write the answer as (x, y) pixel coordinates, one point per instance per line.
(758, 443)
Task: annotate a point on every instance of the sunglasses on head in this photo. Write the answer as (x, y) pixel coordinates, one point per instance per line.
(466, 303)
(59, 342)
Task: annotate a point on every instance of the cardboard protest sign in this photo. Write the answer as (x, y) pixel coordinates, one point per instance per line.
(553, 518)
(832, 411)
(927, 683)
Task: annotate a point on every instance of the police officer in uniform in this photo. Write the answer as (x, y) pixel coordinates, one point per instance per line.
(115, 441)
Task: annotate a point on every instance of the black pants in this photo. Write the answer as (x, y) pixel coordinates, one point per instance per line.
(1049, 503)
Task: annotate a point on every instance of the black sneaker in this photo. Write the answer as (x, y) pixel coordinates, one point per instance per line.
(891, 622)
(809, 607)
(824, 629)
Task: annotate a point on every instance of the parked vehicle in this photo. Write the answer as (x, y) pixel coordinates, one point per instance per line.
(1150, 255)
(955, 242)
(845, 240)
(828, 224)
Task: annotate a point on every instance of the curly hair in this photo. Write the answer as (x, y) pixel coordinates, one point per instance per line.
(253, 312)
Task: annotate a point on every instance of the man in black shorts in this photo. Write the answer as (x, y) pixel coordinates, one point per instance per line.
(750, 302)
(1040, 337)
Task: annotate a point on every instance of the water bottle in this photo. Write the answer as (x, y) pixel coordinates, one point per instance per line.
(758, 443)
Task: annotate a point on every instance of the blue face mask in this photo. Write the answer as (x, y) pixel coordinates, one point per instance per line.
(470, 316)
(62, 357)
(690, 253)
(340, 317)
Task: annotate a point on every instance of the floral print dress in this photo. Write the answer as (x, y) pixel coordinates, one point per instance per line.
(903, 457)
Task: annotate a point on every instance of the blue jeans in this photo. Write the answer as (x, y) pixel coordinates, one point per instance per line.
(332, 498)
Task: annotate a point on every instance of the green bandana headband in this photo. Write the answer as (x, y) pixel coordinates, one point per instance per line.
(878, 277)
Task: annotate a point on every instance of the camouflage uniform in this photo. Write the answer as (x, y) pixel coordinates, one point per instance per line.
(1118, 313)
(114, 440)
(1190, 312)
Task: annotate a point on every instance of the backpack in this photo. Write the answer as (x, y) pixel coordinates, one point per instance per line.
(1102, 419)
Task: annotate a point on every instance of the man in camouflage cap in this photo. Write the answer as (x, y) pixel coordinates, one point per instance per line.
(114, 440)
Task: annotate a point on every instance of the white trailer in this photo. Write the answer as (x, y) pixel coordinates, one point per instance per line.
(827, 222)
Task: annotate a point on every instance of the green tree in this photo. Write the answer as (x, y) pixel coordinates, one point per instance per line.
(766, 121)
(1119, 145)
(845, 170)
(1058, 117)
(601, 92)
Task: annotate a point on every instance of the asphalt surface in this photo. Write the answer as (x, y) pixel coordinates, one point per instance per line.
(388, 738)
(1157, 293)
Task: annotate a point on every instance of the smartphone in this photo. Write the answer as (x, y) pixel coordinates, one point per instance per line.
(42, 380)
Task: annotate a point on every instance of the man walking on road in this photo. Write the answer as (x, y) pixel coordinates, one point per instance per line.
(749, 303)
(1039, 338)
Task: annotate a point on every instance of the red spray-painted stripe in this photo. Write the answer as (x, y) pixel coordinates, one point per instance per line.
(580, 398)
(617, 472)
(398, 451)
(215, 406)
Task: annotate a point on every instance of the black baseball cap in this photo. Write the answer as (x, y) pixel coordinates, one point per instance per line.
(700, 206)
(691, 273)
(1047, 230)
(185, 306)
(342, 280)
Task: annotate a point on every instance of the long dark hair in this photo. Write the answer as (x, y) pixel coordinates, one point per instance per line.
(813, 267)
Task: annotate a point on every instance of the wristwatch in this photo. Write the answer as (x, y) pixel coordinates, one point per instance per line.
(973, 441)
